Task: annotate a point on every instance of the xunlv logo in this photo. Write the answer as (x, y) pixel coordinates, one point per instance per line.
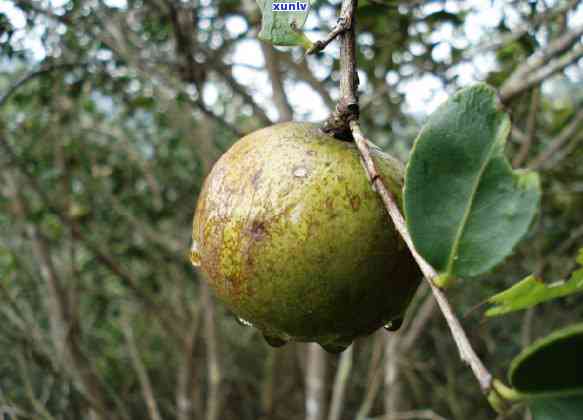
(298, 6)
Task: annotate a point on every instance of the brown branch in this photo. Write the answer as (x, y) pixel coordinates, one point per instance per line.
(412, 415)
(341, 26)
(346, 115)
(416, 327)
(391, 374)
(31, 76)
(185, 380)
(530, 129)
(315, 382)
(567, 133)
(467, 353)
(522, 30)
(272, 62)
(64, 325)
(347, 108)
(340, 384)
(540, 66)
(566, 151)
(140, 368)
(213, 405)
(303, 72)
(166, 318)
(374, 378)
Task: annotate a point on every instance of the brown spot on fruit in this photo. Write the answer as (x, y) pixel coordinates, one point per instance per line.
(258, 230)
(255, 179)
(355, 202)
(315, 260)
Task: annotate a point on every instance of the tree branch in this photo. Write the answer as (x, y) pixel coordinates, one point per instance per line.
(347, 108)
(166, 317)
(341, 26)
(303, 72)
(140, 368)
(284, 109)
(213, 401)
(315, 382)
(538, 67)
(467, 353)
(340, 384)
(568, 132)
(31, 76)
(64, 325)
(530, 129)
(346, 113)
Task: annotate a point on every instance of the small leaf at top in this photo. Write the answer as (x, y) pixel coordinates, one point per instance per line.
(532, 291)
(564, 408)
(283, 21)
(551, 366)
(465, 207)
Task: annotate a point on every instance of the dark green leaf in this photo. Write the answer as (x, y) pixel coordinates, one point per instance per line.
(552, 365)
(465, 207)
(531, 291)
(566, 408)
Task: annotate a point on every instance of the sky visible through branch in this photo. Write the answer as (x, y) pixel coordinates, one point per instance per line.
(423, 92)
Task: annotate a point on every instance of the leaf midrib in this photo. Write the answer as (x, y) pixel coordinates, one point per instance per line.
(460, 231)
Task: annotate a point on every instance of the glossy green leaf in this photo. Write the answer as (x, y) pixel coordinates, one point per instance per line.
(552, 365)
(565, 408)
(465, 207)
(531, 291)
(284, 27)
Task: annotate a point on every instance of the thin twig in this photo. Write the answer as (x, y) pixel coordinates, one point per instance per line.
(168, 318)
(346, 114)
(315, 382)
(540, 66)
(214, 398)
(276, 77)
(347, 107)
(374, 378)
(31, 76)
(530, 130)
(340, 384)
(392, 373)
(467, 353)
(341, 25)
(568, 132)
(422, 315)
(412, 415)
(140, 368)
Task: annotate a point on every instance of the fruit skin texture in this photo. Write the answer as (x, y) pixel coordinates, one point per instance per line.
(292, 237)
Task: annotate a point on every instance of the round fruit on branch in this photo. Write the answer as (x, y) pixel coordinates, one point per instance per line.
(294, 240)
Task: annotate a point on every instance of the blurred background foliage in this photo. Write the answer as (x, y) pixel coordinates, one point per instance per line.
(112, 112)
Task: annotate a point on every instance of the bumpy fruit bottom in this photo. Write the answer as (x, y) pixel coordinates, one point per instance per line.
(293, 239)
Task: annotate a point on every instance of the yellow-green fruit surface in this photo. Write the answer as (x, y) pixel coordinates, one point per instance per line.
(293, 239)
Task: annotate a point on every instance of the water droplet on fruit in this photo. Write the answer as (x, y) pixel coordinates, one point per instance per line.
(195, 254)
(335, 347)
(274, 341)
(243, 322)
(394, 324)
(300, 172)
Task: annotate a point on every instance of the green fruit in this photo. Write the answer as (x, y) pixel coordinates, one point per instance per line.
(293, 238)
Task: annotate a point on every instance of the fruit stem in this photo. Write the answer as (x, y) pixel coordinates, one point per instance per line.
(346, 109)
